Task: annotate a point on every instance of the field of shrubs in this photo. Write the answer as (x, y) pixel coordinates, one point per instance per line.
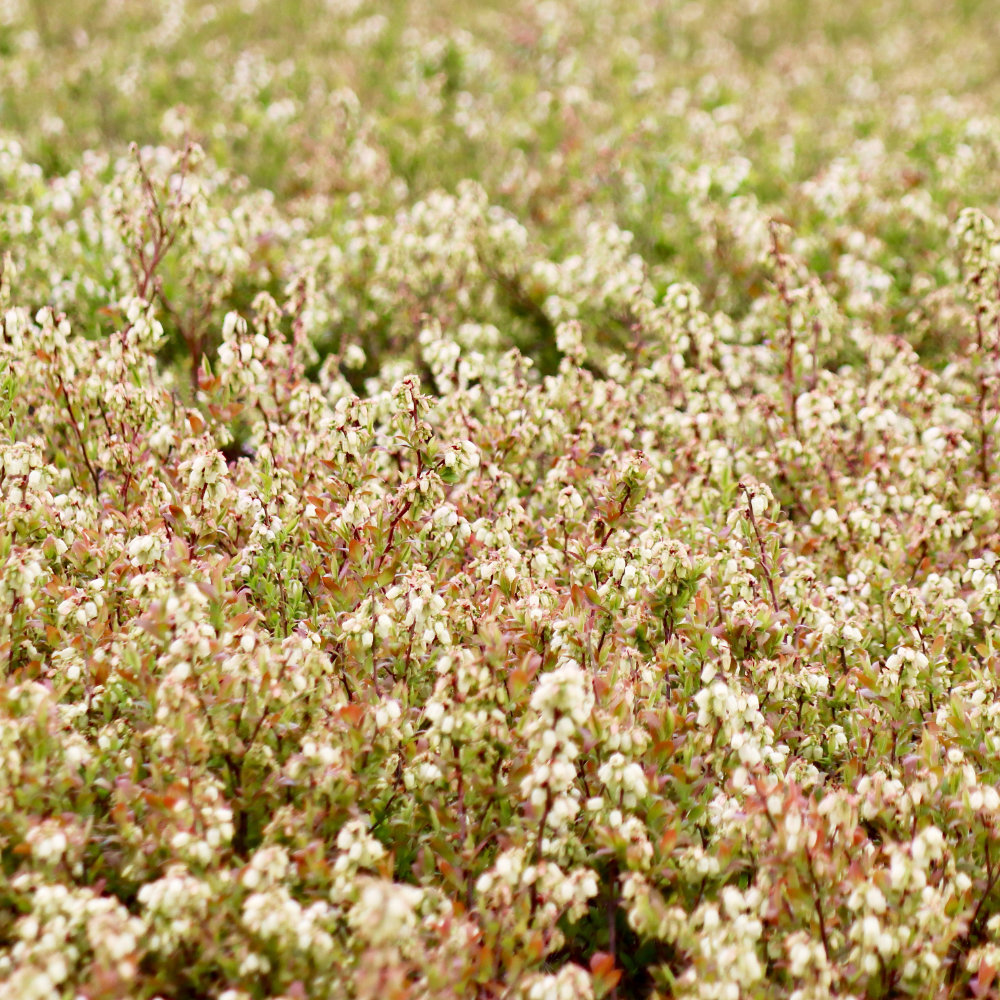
(499, 500)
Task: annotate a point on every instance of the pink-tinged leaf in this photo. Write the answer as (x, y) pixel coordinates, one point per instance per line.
(601, 962)
(352, 714)
(604, 973)
(517, 682)
(980, 984)
(668, 840)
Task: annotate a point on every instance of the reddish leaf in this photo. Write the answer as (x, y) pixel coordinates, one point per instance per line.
(517, 682)
(352, 713)
(601, 963)
(606, 976)
(980, 985)
(668, 840)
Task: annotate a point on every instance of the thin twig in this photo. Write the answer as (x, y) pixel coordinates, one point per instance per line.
(76, 427)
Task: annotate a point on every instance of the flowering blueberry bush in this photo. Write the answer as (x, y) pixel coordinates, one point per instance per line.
(499, 501)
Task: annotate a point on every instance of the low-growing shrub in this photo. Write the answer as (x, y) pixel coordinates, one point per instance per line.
(458, 540)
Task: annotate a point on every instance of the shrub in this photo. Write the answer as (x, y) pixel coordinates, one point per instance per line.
(457, 540)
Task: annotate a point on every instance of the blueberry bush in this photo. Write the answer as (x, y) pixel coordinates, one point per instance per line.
(499, 500)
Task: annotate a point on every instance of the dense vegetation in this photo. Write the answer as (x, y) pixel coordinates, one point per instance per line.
(499, 500)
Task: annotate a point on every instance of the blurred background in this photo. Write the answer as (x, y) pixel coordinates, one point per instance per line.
(864, 126)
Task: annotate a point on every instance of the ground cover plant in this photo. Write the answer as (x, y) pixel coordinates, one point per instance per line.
(499, 500)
